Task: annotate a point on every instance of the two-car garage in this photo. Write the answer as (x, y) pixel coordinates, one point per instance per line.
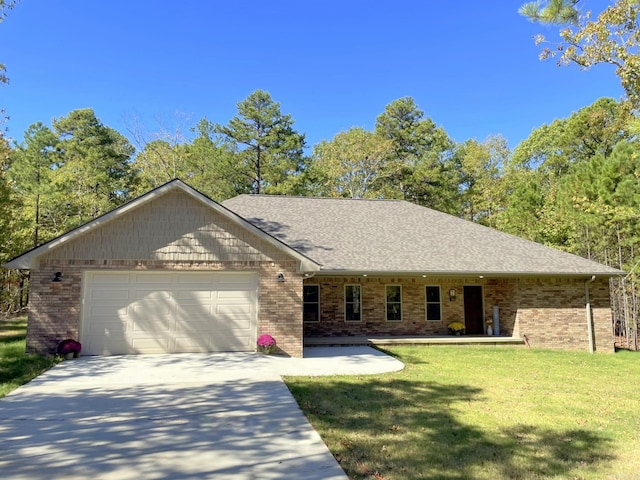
(126, 312)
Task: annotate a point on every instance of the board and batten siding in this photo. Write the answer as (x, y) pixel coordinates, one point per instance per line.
(172, 228)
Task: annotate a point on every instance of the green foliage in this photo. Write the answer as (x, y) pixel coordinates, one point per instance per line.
(95, 165)
(422, 170)
(407, 156)
(6, 212)
(269, 152)
(479, 167)
(613, 38)
(17, 367)
(602, 197)
(553, 11)
(64, 177)
(537, 203)
(593, 130)
(355, 164)
(31, 173)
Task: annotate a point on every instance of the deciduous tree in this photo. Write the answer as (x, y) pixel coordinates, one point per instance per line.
(612, 38)
(479, 166)
(354, 164)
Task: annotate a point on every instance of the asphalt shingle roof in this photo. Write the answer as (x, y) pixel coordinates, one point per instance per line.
(397, 236)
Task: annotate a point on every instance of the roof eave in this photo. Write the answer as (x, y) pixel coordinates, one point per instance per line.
(459, 274)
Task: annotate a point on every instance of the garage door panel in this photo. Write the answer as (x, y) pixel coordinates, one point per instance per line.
(201, 326)
(226, 310)
(140, 295)
(107, 330)
(195, 278)
(164, 312)
(195, 311)
(194, 295)
(105, 310)
(111, 278)
(237, 292)
(150, 309)
(150, 345)
(160, 278)
(107, 294)
(159, 326)
(109, 344)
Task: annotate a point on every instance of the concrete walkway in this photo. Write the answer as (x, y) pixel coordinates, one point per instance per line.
(222, 416)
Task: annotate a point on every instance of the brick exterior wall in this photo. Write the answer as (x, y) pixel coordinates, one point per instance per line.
(550, 312)
(55, 307)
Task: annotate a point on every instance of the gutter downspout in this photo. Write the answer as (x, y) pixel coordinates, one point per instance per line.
(588, 311)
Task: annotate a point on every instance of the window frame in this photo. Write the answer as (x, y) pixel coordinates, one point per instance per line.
(305, 303)
(386, 303)
(346, 302)
(427, 303)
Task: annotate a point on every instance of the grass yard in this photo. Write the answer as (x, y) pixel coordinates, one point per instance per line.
(482, 413)
(16, 367)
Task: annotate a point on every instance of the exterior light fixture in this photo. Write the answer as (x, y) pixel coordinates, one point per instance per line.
(281, 277)
(452, 294)
(57, 277)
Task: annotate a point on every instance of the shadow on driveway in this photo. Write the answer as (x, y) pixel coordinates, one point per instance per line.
(165, 416)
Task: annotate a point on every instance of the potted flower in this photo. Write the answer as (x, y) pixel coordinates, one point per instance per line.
(69, 348)
(456, 328)
(266, 344)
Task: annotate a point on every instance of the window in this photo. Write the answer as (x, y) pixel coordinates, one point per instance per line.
(394, 303)
(433, 304)
(352, 303)
(311, 303)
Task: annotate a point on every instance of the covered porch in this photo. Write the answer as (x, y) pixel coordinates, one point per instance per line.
(381, 340)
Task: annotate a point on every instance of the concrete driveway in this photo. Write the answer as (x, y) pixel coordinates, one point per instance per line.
(222, 416)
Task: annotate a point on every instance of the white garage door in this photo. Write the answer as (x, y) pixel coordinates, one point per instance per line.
(168, 312)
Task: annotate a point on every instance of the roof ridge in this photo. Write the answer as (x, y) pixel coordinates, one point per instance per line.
(313, 197)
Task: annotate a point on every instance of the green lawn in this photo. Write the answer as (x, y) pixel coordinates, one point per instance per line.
(482, 413)
(16, 367)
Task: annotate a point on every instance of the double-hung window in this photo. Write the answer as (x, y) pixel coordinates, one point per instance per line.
(434, 310)
(353, 303)
(394, 303)
(311, 303)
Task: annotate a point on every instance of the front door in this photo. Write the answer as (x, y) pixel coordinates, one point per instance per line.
(473, 315)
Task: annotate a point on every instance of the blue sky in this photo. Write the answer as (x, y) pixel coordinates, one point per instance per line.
(471, 66)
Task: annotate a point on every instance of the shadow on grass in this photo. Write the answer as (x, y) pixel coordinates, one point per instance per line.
(18, 337)
(391, 428)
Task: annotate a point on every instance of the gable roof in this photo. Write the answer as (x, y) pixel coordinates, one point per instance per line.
(394, 236)
(28, 260)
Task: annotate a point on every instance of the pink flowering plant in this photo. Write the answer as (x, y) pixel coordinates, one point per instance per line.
(266, 343)
(68, 346)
